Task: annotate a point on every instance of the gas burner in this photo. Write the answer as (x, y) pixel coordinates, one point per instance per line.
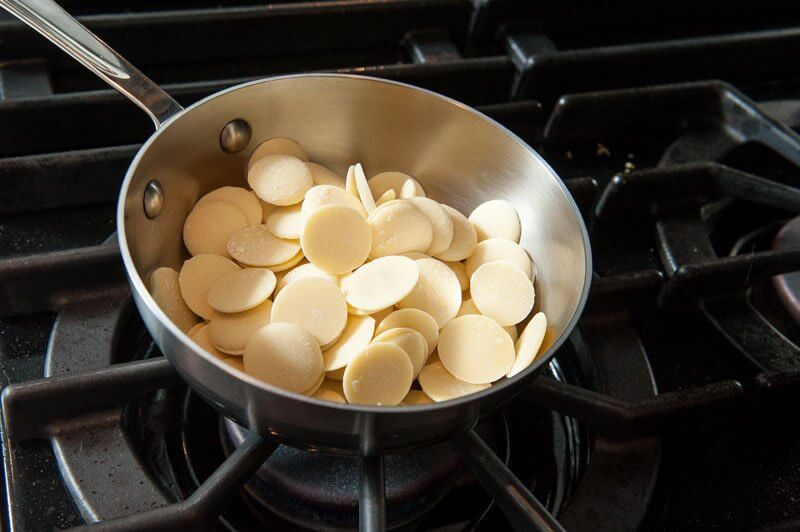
(299, 489)
(313, 488)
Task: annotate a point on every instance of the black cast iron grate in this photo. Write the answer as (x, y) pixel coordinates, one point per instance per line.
(560, 76)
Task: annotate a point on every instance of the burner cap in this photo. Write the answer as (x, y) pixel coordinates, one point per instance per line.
(788, 284)
(313, 488)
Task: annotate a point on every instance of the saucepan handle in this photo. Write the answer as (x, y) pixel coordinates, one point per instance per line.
(49, 19)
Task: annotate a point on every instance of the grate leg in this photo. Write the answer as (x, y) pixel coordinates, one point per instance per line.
(519, 504)
(372, 500)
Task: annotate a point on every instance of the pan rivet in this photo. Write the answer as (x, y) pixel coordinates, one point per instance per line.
(235, 136)
(153, 199)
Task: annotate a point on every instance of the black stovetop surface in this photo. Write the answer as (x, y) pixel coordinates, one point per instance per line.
(670, 123)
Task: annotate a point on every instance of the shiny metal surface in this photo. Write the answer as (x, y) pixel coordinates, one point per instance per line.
(153, 200)
(235, 136)
(787, 285)
(460, 156)
(50, 20)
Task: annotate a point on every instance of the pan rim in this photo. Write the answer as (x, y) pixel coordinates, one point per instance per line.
(141, 290)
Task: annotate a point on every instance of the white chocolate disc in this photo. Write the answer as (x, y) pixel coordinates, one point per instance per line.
(437, 292)
(398, 227)
(389, 195)
(244, 199)
(502, 292)
(165, 289)
(384, 181)
(336, 239)
(475, 349)
(416, 319)
(440, 221)
(304, 270)
(464, 237)
(280, 179)
(230, 332)
(499, 249)
(256, 246)
(323, 176)
(277, 146)
(283, 266)
(314, 304)
(328, 395)
(380, 374)
(461, 272)
(241, 290)
(350, 182)
(209, 226)
(364, 193)
(284, 355)
(381, 283)
(196, 277)
(356, 336)
(316, 385)
(411, 188)
(417, 397)
(286, 222)
(322, 195)
(414, 255)
(440, 385)
(529, 343)
(410, 341)
(496, 219)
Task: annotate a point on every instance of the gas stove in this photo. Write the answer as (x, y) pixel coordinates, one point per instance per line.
(672, 124)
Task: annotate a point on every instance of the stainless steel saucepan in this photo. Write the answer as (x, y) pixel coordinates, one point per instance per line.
(461, 157)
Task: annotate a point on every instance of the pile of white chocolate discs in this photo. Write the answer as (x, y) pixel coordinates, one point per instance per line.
(353, 289)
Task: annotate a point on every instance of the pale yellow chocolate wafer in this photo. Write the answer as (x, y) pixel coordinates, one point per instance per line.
(241, 290)
(476, 349)
(314, 304)
(336, 239)
(381, 374)
(165, 289)
(502, 291)
(440, 385)
(196, 277)
(284, 355)
(210, 224)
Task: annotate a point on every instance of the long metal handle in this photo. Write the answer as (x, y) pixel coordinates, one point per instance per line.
(58, 26)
